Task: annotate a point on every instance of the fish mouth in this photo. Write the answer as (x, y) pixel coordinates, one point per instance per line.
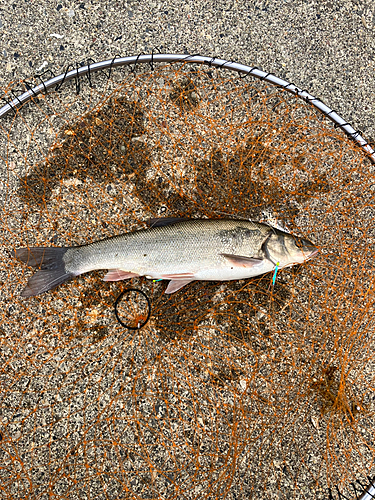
(312, 254)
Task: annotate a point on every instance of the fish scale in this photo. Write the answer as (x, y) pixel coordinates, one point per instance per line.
(175, 249)
(189, 244)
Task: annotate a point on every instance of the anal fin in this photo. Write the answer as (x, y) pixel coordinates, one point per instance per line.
(175, 285)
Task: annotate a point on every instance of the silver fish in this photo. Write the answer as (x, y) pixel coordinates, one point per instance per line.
(179, 250)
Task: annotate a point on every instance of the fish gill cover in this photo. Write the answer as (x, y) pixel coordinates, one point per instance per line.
(233, 389)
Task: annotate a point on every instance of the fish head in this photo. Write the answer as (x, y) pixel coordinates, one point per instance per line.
(288, 249)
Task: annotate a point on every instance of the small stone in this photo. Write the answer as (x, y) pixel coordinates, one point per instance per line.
(315, 422)
(260, 314)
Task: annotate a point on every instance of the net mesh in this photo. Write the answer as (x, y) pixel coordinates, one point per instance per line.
(232, 390)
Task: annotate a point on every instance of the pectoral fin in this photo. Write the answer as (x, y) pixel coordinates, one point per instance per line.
(118, 275)
(175, 285)
(242, 261)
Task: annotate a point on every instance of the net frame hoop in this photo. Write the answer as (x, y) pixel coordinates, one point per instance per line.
(150, 59)
(369, 493)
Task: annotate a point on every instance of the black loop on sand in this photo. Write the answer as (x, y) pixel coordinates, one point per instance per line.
(140, 325)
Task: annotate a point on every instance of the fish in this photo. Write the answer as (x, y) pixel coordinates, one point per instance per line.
(176, 249)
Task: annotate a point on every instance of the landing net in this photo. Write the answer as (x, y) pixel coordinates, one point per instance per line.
(232, 389)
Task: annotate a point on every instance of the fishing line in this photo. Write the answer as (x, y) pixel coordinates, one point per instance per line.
(274, 275)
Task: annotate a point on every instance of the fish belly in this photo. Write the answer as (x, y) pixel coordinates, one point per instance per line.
(233, 273)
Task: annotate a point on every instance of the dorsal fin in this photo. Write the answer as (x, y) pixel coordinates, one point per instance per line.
(164, 221)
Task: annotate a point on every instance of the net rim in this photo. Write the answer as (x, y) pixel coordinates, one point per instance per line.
(241, 69)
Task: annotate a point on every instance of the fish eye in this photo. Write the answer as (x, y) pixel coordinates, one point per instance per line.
(299, 242)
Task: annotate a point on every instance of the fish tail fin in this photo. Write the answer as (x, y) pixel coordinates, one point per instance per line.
(51, 265)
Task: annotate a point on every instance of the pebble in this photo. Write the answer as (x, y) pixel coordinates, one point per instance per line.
(42, 66)
(315, 422)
